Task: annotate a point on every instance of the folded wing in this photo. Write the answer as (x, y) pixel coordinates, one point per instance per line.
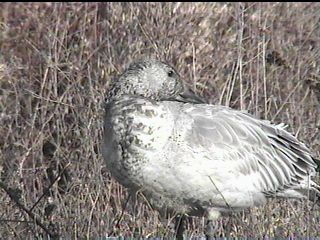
(263, 153)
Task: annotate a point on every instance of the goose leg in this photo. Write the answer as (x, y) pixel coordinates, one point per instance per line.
(211, 224)
(180, 222)
(210, 229)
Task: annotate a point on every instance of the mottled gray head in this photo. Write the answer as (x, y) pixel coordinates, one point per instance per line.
(149, 78)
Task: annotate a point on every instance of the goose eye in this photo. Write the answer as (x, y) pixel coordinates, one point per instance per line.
(170, 73)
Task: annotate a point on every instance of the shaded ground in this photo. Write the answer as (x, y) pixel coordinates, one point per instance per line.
(56, 61)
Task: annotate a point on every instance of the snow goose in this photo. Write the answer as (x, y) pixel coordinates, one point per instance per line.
(197, 158)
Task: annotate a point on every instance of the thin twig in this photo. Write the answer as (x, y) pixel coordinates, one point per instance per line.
(30, 214)
(220, 194)
(121, 215)
(48, 188)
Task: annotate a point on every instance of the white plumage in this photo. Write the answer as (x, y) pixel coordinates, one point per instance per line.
(194, 157)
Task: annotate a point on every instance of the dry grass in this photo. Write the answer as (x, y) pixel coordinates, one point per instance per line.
(56, 61)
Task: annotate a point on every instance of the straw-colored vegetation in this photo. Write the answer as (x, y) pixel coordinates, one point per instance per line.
(56, 60)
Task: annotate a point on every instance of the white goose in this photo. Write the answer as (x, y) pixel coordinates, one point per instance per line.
(193, 157)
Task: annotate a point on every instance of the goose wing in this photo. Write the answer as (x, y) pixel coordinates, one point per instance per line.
(247, 146)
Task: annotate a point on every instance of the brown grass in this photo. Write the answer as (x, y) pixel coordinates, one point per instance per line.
(56, 61)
